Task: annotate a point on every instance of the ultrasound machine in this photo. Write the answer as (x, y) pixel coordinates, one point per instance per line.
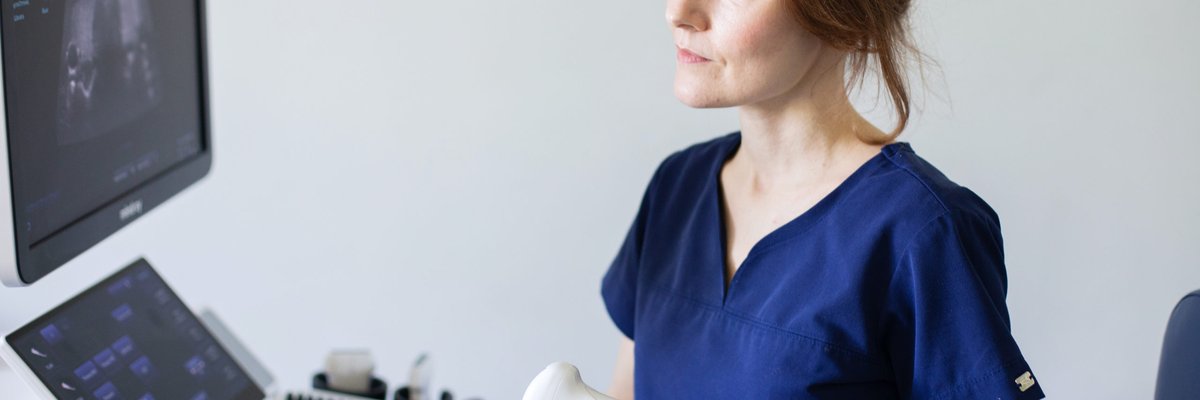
(103, 117)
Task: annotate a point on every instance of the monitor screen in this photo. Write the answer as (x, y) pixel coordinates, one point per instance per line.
(102, 98)
(129, 337)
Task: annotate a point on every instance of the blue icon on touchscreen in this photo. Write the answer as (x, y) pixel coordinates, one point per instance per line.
(123, 346)
(106, 392)
(51, 334)
(87, 371)
(122, 313)
(195, 366)
(106, 359)
(142, 367)
(120, 286)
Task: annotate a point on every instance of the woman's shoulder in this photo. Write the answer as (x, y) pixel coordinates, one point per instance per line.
(931, 188)
(907, 194)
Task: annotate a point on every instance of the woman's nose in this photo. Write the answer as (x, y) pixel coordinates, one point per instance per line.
(687, 14)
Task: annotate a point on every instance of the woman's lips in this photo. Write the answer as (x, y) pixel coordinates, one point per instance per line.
(688, 57)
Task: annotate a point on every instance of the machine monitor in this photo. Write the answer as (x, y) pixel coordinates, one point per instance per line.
(104, 117)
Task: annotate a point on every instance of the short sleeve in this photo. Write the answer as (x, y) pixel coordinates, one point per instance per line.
(948, 333)
(619, 287)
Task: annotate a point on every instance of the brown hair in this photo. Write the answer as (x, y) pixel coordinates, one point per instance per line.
(866, 28)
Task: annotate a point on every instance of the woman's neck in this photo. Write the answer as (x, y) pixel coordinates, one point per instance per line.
(795, 139)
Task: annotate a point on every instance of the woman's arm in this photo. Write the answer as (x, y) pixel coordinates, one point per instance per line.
(622, 385)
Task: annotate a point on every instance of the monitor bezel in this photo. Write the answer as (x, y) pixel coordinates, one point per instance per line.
(23, 262)
(14, 360)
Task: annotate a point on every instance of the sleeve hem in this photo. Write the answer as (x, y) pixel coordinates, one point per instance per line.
(614, 309)
(979, 387)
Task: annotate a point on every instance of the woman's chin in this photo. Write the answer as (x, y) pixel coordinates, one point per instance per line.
(697, 97)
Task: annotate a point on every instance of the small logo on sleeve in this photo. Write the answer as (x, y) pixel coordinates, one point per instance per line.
(1025, 381)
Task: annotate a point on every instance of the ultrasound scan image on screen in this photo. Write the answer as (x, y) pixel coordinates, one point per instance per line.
(110, 74)
(100, 96)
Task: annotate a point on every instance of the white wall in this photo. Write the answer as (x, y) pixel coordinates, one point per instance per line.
(455, 177)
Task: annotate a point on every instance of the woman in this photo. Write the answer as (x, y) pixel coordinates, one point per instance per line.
(809, 255)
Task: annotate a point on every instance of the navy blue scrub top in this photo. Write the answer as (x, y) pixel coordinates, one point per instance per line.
(891, 287)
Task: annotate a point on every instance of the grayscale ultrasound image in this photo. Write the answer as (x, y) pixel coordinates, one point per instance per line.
(109, 74)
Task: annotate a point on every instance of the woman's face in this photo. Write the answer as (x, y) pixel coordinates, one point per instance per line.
(741, 51)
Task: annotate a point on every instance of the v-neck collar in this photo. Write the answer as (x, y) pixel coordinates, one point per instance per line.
(796, 226)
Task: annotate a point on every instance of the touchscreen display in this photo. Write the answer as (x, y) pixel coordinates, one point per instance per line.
(130, 337)
(100, 97)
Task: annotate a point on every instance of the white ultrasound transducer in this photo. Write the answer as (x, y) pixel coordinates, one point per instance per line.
(561, 381)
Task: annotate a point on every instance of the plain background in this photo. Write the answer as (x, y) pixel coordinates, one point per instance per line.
(454, 177)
